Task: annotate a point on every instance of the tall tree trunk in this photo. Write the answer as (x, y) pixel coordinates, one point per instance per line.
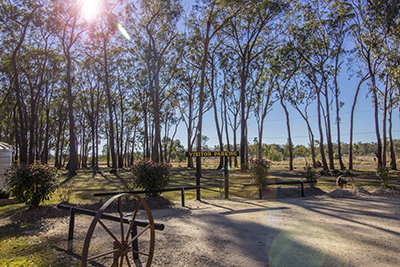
(45, 155)
(57, 162)
(243, 140)
(378, 136)
(73, 157)
(384, 118)
(289, 135)
(146, 152)
(214, 102)
(33, 125)
(393, 165)
(225, 111)
(110, 110)
(342, 167)
(352, 121)
(328, 129)
(321, 134)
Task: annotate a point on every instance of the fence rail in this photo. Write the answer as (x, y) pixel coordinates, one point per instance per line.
(182, 189)
(301, 182)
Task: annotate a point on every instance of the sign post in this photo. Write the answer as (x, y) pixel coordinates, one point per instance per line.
(226, 178)
(201, 154)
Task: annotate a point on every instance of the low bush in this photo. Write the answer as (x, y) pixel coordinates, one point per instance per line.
(151, 175)
(310, 174)
(383, 173)
(31, 184)
(259, 169)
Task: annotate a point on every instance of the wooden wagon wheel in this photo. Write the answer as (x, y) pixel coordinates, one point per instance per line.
(343, 180)
(123, 247)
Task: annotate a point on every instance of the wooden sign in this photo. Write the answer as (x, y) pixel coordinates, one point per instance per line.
(213, 154)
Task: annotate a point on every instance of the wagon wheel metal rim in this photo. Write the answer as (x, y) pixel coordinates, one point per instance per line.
(125, 241)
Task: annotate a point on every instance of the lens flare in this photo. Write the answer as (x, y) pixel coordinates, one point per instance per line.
(123, 31)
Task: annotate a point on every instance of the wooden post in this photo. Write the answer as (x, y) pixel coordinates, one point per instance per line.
(226, 178)
(183, 196)
(135, 244)
(115, 255)
(71, 231)
(198, 175)
(302, 187)
(260, 191)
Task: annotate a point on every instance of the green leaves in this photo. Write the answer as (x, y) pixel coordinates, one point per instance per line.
(32, 184)
(151, 175)
(259, 169)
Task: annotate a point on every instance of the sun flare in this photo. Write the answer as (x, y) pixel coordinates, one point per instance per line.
(90, 8)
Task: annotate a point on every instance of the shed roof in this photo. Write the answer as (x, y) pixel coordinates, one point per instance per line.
(5, 146)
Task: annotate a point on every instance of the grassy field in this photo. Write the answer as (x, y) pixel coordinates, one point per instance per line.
(18, 247)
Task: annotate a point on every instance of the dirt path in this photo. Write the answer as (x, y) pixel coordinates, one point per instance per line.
(315, 231)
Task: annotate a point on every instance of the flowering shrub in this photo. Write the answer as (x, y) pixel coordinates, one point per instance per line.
(259, 169)
(31, 184)
(151, 175)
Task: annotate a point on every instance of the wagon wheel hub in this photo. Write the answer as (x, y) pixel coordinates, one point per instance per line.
(124, 249)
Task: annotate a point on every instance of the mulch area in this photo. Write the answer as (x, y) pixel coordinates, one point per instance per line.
(51, 211)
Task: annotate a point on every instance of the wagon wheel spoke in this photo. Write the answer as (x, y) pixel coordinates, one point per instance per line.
(139, 234)
(133, 220)
(108, 231)
(121, 219)
(141, 253)
(128, 261)
(102, 254)
(115, 262)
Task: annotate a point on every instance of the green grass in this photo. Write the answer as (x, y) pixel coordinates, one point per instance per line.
(18, 247)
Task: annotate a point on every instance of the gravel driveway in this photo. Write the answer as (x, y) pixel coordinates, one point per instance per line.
(318, 231)
(342, 228)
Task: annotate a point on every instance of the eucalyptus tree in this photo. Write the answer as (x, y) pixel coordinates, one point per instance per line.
(102, 38)
(40, 67)
(353, 107)
(211, 16)
(317, 34)
(338, 18)
(301, 99)
(160, 47)
(286, 65)
(189, 105)
(250, 35)
(17, 17)
(94, 105)
(231, 104)
(370, 41)
(385, 16)
(69, 27)
(214, 87)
